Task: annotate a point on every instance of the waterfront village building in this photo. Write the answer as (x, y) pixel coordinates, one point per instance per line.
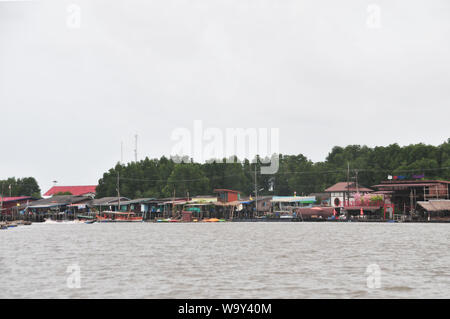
(227, 195)
(246, 207)
(264, 204)
(339, 193)
(228, 202)
(57, 207)
(287, 205)
(405, 195)
(199, 207)
(9, 206)
(434, 210)
(106, 203)
(89, 190)
(322, 199)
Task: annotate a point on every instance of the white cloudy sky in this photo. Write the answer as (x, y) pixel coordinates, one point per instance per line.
(314, 69)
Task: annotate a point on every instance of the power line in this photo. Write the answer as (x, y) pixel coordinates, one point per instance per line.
(280, 173)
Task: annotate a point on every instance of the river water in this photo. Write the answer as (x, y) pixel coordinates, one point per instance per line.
(226, 260)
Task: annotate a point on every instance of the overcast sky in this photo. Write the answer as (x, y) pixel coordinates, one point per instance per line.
(324, 72)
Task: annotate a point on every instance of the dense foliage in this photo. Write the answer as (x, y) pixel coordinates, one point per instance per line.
(27, 186)
(164, 178)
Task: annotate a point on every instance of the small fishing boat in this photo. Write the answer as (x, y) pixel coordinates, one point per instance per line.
(86, 219)
(213, 220)
(117, 217)
(2, 226)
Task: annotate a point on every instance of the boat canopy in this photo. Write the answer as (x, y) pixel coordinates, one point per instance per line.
(117, 213)
(46, 206)
(293, 199)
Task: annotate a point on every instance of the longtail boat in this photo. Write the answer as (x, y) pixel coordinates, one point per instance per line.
(110, 216)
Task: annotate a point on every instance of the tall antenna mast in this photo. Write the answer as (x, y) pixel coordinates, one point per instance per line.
(121, 152)
(135, 147)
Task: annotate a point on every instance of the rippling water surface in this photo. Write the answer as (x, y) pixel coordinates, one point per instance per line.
(226, 260)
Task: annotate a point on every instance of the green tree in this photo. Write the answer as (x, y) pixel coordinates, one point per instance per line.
(26, 186)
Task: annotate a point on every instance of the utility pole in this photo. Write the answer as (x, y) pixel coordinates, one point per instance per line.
(256, 189)
(348, 183)
(173, 204)
(118, 191)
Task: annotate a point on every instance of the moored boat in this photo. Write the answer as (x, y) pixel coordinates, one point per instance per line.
(213, 220)
(117, 217)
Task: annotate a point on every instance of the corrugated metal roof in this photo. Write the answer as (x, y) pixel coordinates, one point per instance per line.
(435, 205)
(136, 201)
(175, 202)
(344, 187)
(44, 206)
(61, 200)
(106, 201)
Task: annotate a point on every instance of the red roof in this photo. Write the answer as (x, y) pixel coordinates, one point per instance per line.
(13, 199)
(342, 187)
(74, 190)
(404, 185)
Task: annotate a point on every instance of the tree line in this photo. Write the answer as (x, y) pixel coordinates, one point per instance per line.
(163, 177)
(26, 186)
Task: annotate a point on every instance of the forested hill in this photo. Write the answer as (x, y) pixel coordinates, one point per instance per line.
(162, 177)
